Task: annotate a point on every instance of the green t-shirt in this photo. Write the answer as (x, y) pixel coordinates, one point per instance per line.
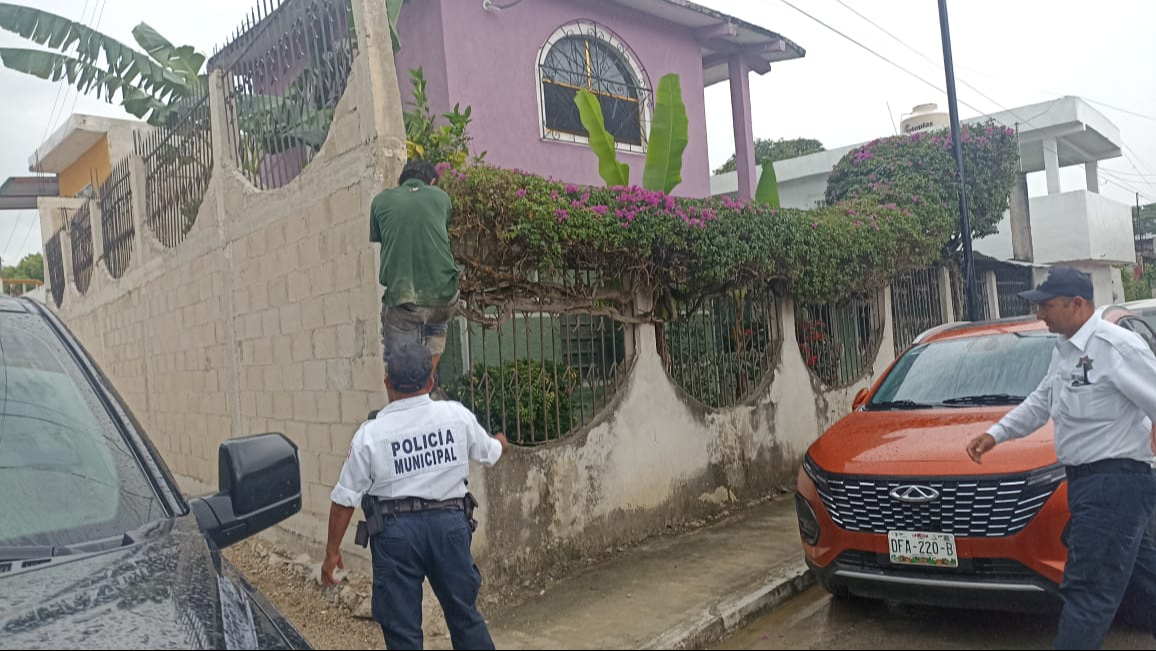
(417, 265)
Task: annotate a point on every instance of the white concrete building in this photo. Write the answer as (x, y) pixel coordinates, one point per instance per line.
(1079, 226)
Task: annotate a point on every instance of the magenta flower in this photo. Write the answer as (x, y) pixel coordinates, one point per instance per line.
(521, 192)
(601, 210)
(562, 215)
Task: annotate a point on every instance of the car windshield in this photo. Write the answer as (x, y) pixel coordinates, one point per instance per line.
(1148, 314)
(986, 370)
(67, 475)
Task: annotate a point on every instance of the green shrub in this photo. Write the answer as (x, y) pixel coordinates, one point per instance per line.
(531, 401)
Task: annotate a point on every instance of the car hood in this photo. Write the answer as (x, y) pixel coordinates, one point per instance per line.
(164, 592)
(926, 442)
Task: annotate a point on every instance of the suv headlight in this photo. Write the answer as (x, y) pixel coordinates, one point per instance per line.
(817, 474)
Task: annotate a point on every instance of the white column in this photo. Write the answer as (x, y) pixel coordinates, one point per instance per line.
(992, 294)
(1092, 172)
(143, 250)
(946, 296)
(1052, 164)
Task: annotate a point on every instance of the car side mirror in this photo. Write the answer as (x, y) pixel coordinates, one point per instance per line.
(259, 481)
(860, 399)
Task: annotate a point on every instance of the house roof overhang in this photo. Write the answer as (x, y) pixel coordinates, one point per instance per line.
(22, 192)
(721, 37)
(75, 137)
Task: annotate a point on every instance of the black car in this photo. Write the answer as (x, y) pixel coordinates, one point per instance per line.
(97, 547)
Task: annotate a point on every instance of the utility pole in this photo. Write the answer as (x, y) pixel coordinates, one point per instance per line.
(957, 147)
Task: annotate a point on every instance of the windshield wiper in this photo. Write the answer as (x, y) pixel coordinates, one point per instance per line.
(10, 553)
(31, 552)
(986, 399)
(901, 404)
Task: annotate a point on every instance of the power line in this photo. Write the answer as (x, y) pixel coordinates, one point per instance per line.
(51, 119)
(1029, 121)
(9, 243)
(1043, 91)
(1125, 184)
(873, 52)
(55, 119)
(1121, 109)
(35, 220)
(96, 27)
(1142, 162)
(909, 47)
(934, 62)
(1133, 174)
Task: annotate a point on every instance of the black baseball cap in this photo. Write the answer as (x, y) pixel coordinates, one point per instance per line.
(410, 367)
(1061, 281)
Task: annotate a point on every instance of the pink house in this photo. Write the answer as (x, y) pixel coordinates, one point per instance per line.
(519, 63)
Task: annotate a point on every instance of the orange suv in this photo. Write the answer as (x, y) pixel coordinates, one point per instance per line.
(891, 507)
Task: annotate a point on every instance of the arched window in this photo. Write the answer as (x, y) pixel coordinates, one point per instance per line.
(586, 55)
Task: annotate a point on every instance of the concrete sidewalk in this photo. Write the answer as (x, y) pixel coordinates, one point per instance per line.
(679, 592)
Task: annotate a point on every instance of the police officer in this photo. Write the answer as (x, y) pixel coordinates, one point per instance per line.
(1101, 392)
(410, 464)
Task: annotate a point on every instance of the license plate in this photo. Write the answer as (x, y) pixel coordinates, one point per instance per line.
(923, 548)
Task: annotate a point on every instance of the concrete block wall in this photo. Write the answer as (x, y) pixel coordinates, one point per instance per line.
(266, 318)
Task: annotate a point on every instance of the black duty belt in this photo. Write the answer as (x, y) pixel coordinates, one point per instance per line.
(416, 504)
(1109, 467)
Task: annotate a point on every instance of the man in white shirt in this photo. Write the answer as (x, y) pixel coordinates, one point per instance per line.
(411, 463)
(1100, 391)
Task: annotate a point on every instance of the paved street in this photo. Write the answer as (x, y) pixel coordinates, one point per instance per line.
(815, 621)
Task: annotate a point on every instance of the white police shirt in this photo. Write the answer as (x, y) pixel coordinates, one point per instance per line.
(416, 447)
(1101, 392)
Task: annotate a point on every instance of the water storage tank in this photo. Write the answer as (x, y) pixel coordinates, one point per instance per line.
(925, 117)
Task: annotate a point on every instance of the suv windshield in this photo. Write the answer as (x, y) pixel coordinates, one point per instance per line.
(67, 475)
(987, 370)
(1148, 314)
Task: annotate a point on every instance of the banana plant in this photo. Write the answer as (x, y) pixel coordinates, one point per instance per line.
(601, 142)
(669, 135)
(393, 11)
(145, 83)
(768, 191)
(666, 142)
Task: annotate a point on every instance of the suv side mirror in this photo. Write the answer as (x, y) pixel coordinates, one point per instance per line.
(259, 484)
(860, 399)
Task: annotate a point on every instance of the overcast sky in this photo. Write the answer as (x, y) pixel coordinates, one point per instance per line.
(1016, 52)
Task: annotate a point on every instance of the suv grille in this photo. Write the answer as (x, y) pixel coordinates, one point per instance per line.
(976, 507)
(987, 567)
